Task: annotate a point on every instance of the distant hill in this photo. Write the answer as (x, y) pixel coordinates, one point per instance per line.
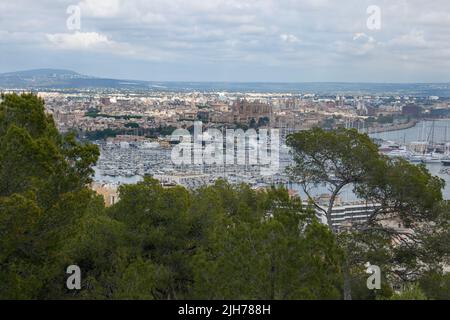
(42, 73)
(61, 79)
(41, 79)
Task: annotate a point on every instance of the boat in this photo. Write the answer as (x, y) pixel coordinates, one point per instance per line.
(432, 158)
(400, 152)
(446, 162)
(416, 158)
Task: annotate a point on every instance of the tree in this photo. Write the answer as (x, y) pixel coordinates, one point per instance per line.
(263, 121)
(216, 242)
(412, 292)
(132, 125)
(264, 247)
(412, 198)
(436, 285)
(336, 158)
(397, 190)
(158, 226)
(43, 195)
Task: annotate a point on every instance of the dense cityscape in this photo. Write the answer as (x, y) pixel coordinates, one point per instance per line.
(133, 131)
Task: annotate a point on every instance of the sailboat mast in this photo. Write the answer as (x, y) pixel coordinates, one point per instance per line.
(432, 136)
(445, 136)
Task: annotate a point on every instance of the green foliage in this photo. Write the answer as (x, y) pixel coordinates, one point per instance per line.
(132, 125)
(412, 292)
(112, 133)
(158, 225)
(218, 242)
(263, 246)
(404, 193)
(436, 285)
(336, 158)
(97, 114)
(263, 121)
(409, 190)
(102, 134)
(385, 119)
(329, 123)
(43, 195)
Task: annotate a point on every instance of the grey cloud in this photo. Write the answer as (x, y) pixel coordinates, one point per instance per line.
(294, 39)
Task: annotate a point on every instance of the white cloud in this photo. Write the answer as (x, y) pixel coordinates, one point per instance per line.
(100, 8)
(289, 38)
(96, 42)
(413, 39)
(361, 45)
(79, 40)
(362, 35)
(263, 33)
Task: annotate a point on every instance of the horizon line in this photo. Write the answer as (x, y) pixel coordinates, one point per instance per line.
(231, 81)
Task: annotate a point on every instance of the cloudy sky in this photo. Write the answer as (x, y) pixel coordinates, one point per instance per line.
(231, 40)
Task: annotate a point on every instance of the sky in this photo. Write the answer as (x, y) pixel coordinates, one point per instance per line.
(231, 40)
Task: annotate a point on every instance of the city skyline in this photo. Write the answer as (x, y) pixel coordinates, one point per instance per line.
(230, 41)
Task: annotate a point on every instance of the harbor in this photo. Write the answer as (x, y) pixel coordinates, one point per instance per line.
(428, 142)
(127, 162)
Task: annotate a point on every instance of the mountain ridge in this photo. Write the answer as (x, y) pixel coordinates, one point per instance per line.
(60, 79)
(63, 79)
(40, 72)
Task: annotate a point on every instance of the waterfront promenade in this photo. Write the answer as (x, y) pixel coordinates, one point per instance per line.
(393, 127)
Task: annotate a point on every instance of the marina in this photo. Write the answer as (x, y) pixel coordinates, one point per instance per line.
(428, 142)
(128, 162)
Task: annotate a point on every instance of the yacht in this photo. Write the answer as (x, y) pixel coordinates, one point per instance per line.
(446, 160)
(432, 158)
